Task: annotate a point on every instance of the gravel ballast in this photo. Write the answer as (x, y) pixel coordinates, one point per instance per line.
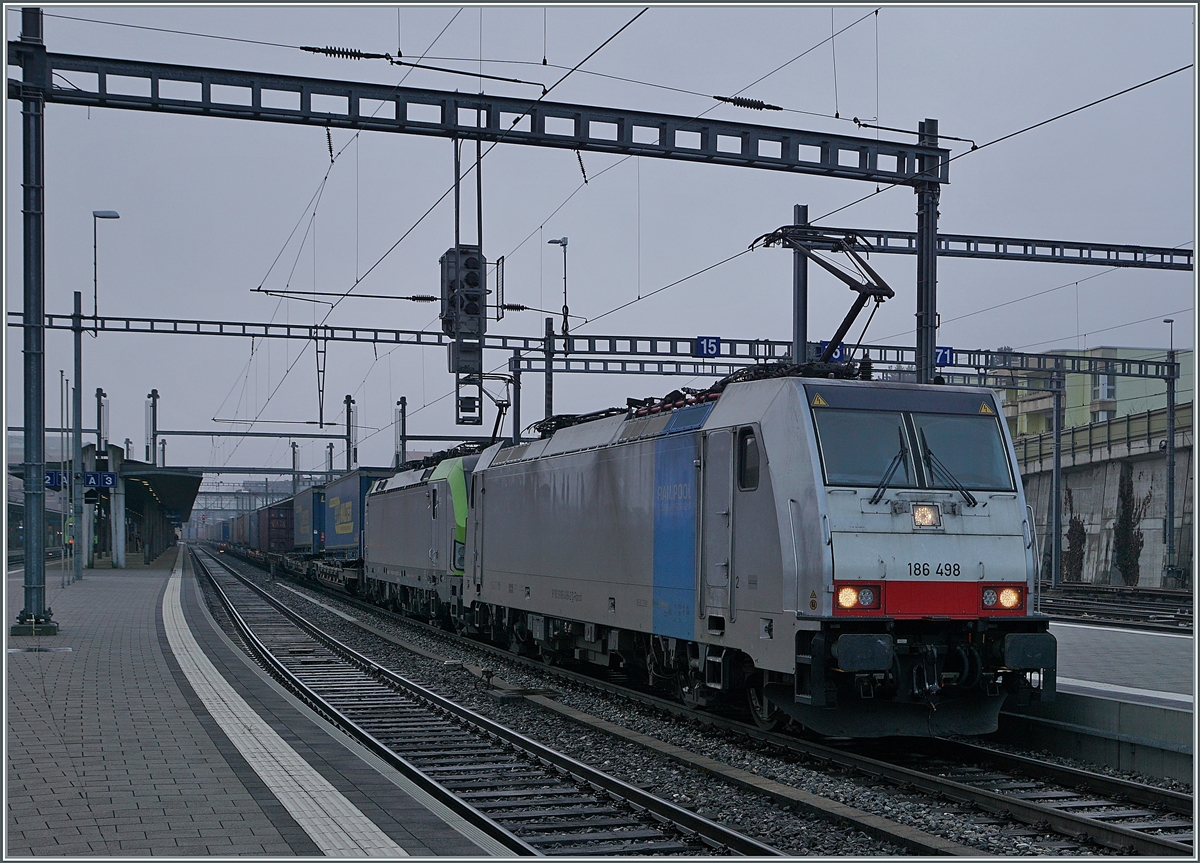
(752, 813)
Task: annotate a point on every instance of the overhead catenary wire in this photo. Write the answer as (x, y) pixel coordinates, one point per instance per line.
(492, 146)
(314, 203)
(1105, 272)
(1037, 125)
(359, 279)
(1109, 329)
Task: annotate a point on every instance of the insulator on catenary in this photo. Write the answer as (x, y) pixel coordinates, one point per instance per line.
(743, 102)
(344, 53)
(422, 298)
(514, 307)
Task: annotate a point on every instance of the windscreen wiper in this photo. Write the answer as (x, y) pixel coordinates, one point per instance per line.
(897, 460)
(935, 463)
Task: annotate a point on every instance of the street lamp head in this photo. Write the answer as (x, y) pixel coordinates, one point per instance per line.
(105, 214)
(1168, 320)
(559, 242)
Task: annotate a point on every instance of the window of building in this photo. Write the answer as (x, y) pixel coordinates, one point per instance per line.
(1103, 416)
(1104, 387)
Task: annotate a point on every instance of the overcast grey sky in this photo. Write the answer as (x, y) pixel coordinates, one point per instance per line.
(207, 205)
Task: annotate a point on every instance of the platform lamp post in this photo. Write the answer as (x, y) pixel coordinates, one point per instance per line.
(97, 215)
(77, 550)
(1170, 514)
(562, 241)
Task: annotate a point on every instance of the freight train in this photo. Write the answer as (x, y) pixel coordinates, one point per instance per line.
(856, 556)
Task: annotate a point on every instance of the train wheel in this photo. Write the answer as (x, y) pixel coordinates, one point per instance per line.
(766, 715)
(548, 655)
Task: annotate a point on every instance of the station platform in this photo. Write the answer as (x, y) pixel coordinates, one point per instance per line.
(1128, 665)
(141, 729)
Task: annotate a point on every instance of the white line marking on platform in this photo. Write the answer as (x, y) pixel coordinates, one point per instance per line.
(335, 824)
(1056, 623)
(1182, 698)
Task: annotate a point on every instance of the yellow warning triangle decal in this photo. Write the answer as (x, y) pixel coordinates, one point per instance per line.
(985, 408)
(819, 402)
(812, 595)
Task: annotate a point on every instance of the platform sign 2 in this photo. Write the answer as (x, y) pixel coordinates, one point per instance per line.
(707, 346)
(54, 479)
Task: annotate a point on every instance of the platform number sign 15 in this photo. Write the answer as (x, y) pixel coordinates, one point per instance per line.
(707, 346)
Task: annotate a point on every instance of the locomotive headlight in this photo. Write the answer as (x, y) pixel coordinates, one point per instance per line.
(989, 597)
(848, 597)
(926, 515)
(1010, 597)
(866, 597)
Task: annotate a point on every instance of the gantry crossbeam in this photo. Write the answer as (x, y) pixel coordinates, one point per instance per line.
(163, 88)
(1008, 248)
(658, 355)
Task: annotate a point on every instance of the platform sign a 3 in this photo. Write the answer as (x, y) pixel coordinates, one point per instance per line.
(706, 346)
(99, 479)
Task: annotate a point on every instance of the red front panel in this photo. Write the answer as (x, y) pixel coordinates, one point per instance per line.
(914, 599)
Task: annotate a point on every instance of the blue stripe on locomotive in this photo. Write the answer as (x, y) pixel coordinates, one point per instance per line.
(675, 487)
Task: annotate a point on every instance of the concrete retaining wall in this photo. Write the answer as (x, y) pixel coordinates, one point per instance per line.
(1093, 479)
(1155, 741)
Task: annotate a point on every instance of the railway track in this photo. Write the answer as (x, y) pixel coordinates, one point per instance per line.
(529, 797)
(1082, 806)
(1135, 608)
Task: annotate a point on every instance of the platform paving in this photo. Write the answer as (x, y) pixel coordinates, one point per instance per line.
(112, 753)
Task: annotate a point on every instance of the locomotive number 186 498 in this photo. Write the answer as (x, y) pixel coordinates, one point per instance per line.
(951, 570)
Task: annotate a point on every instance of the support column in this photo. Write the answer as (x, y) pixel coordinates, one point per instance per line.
(89, 520)
(514, 367)
(1171, 567)
(927, 226)
(34, 617)
(349, 402)
(77, 529)
(1056, 485)
(402, 431)
(799, 293)
(117, 518)
(549, 371)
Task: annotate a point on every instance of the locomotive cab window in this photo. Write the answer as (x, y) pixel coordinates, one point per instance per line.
(859, 447)
(433, 502)
(747, 453)
(912, 449)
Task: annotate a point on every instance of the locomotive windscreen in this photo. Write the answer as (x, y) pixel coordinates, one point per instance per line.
(923, 438)
(858, 447)
(970, 447)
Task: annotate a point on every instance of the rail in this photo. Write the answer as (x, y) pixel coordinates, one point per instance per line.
(689, 823)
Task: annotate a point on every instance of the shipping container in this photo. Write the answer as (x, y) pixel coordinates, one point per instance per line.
(308, 519)
(252, 530)
(344, 499)
(274, 532)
